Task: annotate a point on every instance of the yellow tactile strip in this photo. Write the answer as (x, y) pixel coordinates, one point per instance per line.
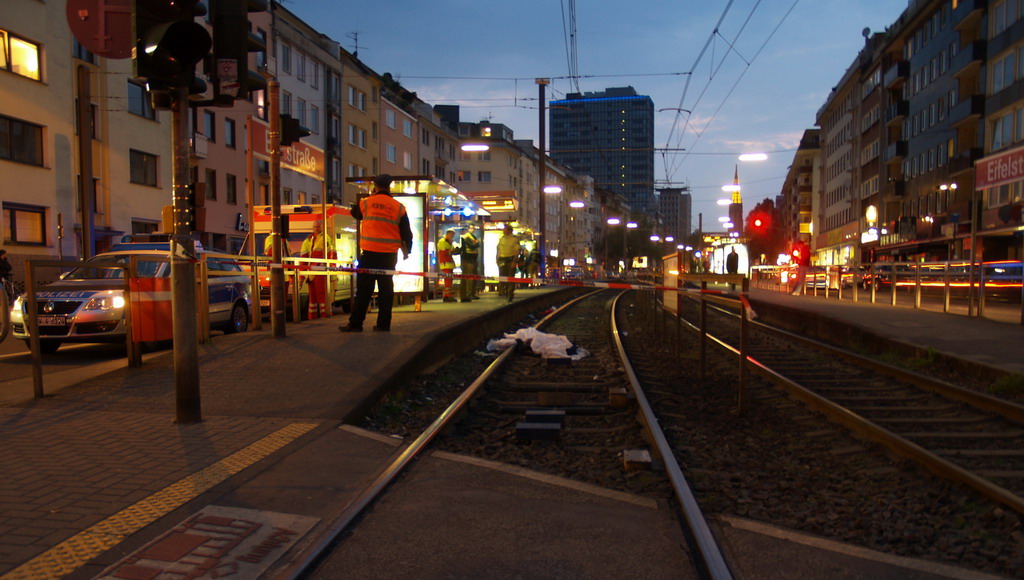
(65, 557)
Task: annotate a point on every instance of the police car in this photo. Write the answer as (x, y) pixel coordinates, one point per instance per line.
(91, 315)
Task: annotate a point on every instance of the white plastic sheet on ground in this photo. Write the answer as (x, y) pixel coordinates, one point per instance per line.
(542, 343)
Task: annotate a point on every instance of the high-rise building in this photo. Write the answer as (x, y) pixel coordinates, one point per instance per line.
(608, 135)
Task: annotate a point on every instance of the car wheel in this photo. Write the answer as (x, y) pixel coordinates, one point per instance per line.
(49, 346)
(239, 319)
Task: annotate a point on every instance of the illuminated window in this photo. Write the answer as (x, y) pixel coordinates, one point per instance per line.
(19, 56)
(24, 224)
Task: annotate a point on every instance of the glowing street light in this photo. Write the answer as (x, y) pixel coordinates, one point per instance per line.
(614, 221)
(731, 188)
(724, 201)
(475, 147)
(753, 157)
(655, 238)
(552, 189)
(632, 225)
(576, 204)
(723, 219)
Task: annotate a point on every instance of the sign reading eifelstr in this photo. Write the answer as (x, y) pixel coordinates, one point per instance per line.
(1000, 169)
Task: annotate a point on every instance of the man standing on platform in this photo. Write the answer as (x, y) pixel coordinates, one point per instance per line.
(508, 254)
(446, 262)
(470, 264)
(383, 230)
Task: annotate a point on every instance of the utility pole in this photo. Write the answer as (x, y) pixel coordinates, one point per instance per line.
(277, 297)
(541, 166)
(188, 405)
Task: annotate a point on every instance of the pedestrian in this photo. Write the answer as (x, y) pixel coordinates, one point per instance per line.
(533, 262)
(383, 230)
(508, 254)
(5, 267)
(446, 262)
(802, 258)
(317, 245)
(732, 264)
(470, 252)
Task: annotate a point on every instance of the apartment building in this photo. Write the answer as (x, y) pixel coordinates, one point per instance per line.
(44, 75)
(797, 205)
(948, 79)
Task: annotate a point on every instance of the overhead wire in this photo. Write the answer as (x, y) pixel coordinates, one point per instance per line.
(670, 169)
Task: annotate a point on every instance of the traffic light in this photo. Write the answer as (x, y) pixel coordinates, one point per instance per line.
(758, 223)
(168, 42)
(195, 213)
(232, 43)
(291, 131)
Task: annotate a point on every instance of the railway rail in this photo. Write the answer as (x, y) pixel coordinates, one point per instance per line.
(958, 433)
(590, 405)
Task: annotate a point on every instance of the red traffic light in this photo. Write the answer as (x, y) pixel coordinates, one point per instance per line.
(757, 222)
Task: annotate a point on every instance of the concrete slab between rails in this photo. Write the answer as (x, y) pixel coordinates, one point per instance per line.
(758, 550)
(452, 518)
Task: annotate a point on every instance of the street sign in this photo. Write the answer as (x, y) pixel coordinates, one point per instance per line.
(104, 27)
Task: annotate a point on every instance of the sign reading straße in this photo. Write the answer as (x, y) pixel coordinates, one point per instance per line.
(999, 169)
(299, 156)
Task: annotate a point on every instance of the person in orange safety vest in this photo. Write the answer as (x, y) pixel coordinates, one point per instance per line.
(446, 262)
(317, 245)
(383, 230)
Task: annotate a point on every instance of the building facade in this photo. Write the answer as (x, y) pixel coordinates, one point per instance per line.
(608, 135)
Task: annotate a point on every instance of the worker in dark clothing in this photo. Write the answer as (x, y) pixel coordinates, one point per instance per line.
(383, 230)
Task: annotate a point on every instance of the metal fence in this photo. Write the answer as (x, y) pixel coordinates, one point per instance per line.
(991, 290)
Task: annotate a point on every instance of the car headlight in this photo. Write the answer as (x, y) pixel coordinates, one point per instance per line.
(18, 302)
(108, 302)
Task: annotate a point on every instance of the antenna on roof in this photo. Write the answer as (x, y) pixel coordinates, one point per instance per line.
(355, 37)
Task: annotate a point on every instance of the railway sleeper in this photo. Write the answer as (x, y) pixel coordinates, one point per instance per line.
(941, 420)
(981, 452)
(963, 435)
(928, 409)
(874, 399)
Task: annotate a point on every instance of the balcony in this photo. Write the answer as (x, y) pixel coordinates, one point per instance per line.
(968, 14)
(963, 161)
(969, 59)
(967, 110)
(896, 75)
(895, 151)
(897, 111)
(200, 146)
(897, 188)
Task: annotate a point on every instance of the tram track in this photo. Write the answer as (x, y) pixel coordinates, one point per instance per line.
(960, 434)
(520, 403)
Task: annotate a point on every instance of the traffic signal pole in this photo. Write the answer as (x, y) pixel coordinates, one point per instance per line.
(188, 407)
(277, 297)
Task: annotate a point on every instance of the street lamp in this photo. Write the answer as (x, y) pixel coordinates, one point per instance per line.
(753, 157)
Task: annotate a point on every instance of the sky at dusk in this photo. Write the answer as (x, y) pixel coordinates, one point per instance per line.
(751, 73)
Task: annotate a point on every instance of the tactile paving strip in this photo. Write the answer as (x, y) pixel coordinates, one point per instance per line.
(67, 556)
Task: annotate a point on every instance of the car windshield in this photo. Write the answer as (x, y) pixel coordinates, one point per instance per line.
(146, 268)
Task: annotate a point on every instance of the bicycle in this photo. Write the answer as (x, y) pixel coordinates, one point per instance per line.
(7, 295)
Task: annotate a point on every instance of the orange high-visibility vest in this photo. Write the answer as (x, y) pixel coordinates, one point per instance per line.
(379, 229)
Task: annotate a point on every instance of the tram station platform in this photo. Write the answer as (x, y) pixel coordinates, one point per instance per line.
(981, 346)
(100, 482)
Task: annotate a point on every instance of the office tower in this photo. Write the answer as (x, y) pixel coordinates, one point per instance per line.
(608, 135)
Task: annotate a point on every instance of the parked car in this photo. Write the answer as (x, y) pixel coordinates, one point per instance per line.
(91, 315)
